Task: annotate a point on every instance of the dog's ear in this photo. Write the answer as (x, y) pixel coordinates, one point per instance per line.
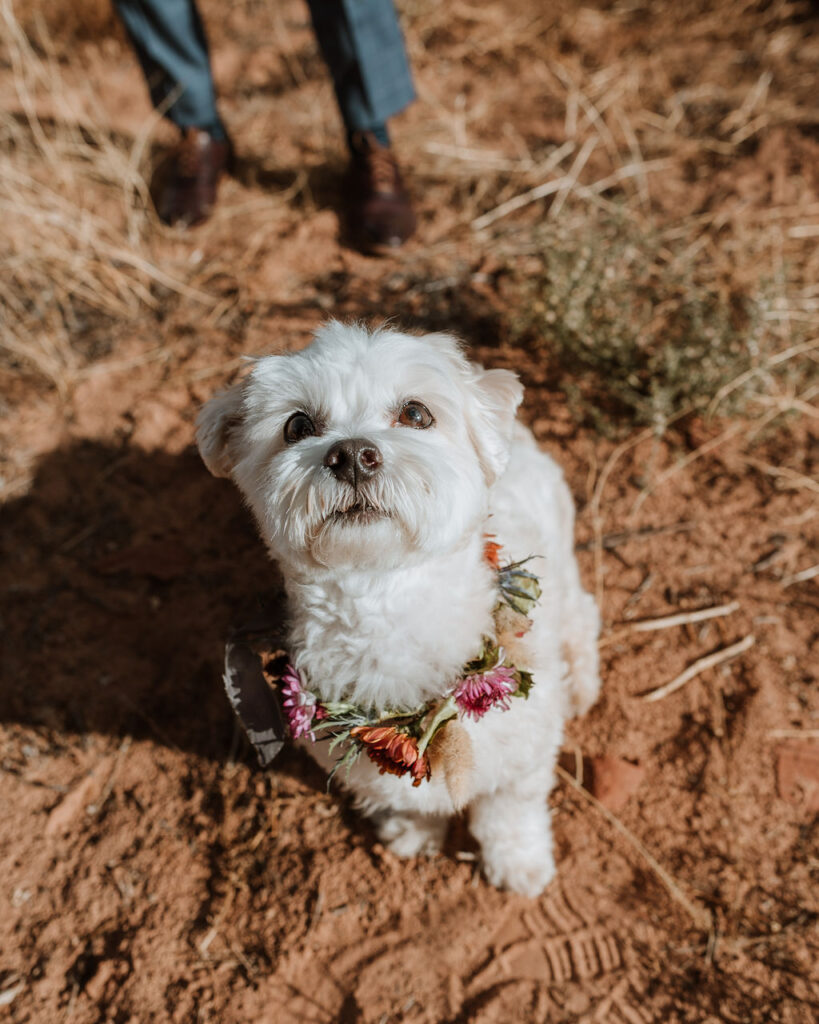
(216, 426)
(496, 395)
(493, 397)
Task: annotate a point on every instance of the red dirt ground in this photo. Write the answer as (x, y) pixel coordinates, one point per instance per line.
(151, 872)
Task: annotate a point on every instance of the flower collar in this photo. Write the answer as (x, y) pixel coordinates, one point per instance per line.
(399, 740)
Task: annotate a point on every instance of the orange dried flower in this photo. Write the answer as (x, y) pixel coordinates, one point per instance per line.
(392, 751)
(491, 551)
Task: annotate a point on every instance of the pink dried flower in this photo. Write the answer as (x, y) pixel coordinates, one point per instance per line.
(476, 694)
(300, 706)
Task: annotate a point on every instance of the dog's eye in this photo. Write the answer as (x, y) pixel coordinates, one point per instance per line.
(415, 414)
(297, 427)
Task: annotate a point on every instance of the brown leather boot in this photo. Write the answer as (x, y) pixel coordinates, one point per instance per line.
(184, 185)
(380, 208)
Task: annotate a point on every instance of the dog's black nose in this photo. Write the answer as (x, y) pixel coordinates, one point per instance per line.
(354, 460)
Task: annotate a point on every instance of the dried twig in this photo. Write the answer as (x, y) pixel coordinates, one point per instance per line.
(633, 170)
(635, 598)
(700, 665)
(636, 154)
(488, 158)
(776, 360)
(791, 479)
(669, 621)
(571, 178)
(615, 540)
(788, 403)
(801, 577)
(548, 188)
(681, 618)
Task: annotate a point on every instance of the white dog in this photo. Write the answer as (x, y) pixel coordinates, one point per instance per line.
(378, 466)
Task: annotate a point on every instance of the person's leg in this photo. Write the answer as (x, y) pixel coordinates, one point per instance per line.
(170, 42)
(363, 47)
(362, 44)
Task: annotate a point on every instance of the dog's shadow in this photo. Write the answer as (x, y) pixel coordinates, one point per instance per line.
(123, 572)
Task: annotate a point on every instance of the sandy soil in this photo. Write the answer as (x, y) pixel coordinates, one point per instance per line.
(149, 870)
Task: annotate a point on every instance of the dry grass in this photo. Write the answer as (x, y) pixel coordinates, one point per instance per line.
(68, 22)
(646, 287)
(641, 329)
(655, 245)
(74, 204)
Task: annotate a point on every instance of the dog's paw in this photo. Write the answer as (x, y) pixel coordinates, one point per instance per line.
(582, 658)
(411, 835)
(583, 696)
(527, 872)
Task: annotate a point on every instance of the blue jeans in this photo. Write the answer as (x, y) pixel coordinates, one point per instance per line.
(360, 40)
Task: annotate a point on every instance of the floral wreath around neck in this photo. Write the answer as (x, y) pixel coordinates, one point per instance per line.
(397, 740)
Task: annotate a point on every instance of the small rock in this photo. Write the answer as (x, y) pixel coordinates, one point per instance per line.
(614, 780)
(62, 817)
(797, 774)
(95, 989)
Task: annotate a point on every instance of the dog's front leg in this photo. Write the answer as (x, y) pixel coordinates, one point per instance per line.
(515, 832)
(409, 834)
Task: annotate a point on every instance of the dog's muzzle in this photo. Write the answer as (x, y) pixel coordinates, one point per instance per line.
(354, 460)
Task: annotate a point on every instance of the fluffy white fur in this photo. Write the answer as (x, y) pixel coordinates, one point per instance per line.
(386, 612)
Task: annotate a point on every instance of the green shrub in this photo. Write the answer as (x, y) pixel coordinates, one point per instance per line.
(640, 332)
